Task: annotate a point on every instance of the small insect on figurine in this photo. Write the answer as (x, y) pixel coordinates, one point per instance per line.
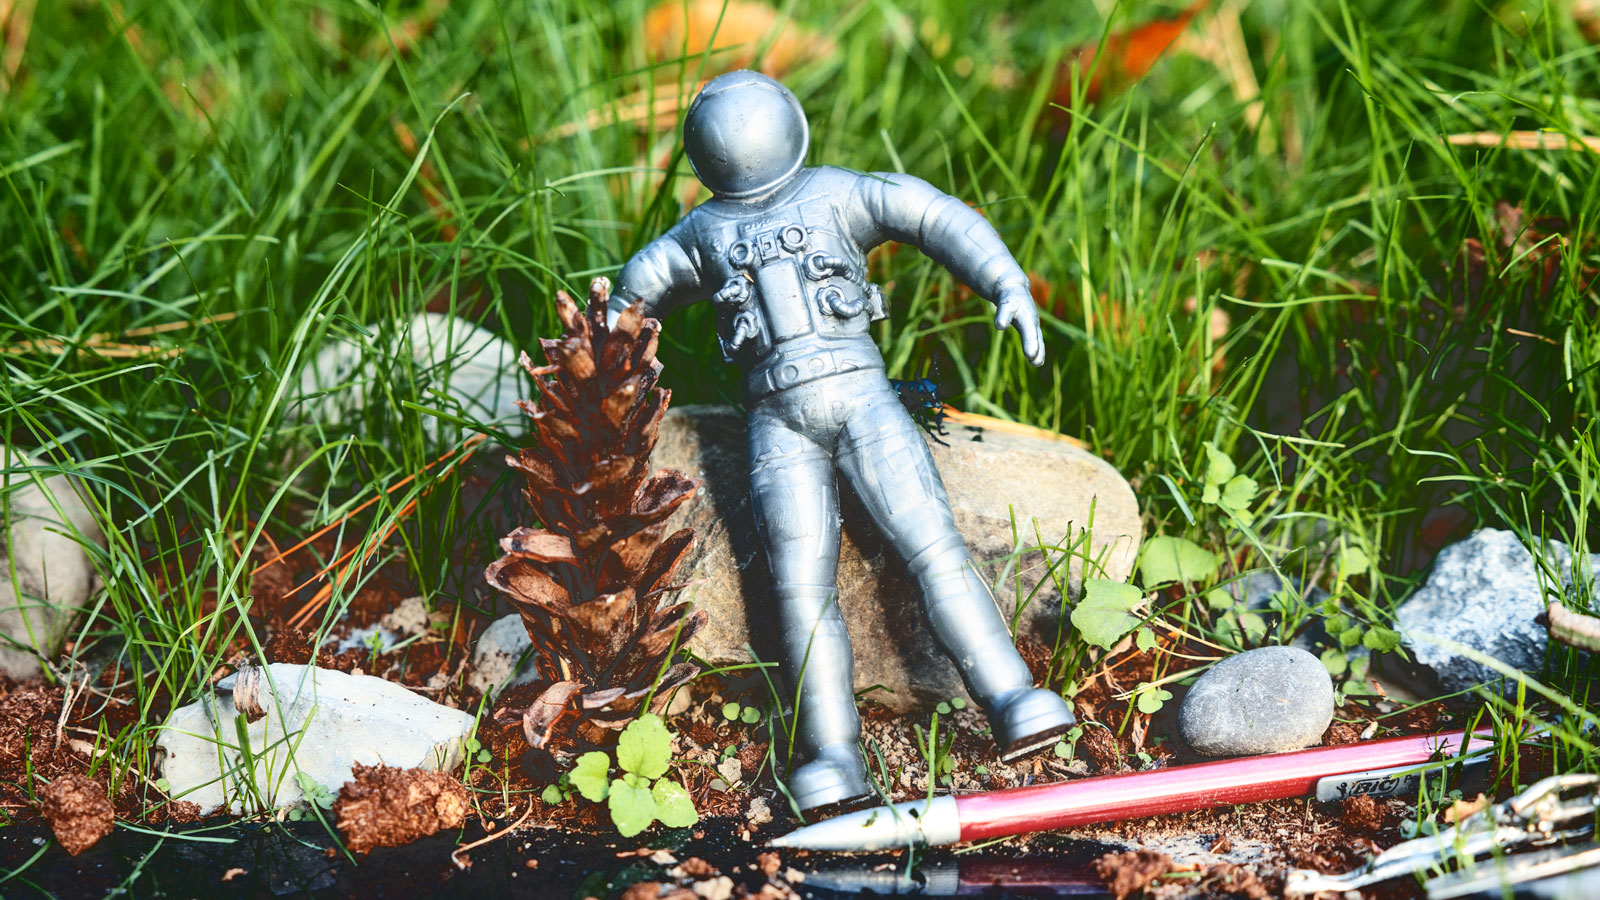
(920, 397)
(780, 251)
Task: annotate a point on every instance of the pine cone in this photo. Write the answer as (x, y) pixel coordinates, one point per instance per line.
(589, 584)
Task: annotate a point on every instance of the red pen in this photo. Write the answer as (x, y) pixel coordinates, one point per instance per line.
(1384, 767)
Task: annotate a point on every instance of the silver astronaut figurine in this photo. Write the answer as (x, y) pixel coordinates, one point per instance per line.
(780, 251)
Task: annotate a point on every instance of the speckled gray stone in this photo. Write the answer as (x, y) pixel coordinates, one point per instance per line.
(494, 660)
(1483, 593)
(1260, 701)
(456, 366)
(46, 578)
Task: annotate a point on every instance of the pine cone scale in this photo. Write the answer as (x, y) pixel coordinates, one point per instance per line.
(589, 580)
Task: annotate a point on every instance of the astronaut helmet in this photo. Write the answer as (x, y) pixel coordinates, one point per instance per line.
(745, 134)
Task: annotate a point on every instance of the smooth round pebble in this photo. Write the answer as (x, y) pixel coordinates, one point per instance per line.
(1260, 701)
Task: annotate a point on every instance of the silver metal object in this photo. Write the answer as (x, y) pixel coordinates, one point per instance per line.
(914, 823)
(780, 251)
(1493, 875)
(1555, 809)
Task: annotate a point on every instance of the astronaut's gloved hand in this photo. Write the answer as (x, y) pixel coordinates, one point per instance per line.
(1015, 308)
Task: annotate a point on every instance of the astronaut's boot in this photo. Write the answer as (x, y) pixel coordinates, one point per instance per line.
(969, 627)
(820, 670)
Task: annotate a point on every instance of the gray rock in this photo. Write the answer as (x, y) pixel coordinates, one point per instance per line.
(989, 473)
(47, 527)
(1263, 590)
(475, 371)
(318, 723)
(1259, 701)
(494, 660)
(1484, 592)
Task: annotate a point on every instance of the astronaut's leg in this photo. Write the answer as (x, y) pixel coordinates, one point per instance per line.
(797, 514)
(884, 458)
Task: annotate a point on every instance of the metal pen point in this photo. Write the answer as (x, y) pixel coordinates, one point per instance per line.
(914, 822)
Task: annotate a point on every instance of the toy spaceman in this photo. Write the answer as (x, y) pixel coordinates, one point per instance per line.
(780, 251)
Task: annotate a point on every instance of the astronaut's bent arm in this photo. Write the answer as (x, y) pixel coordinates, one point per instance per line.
(907, 209)
(663, 274)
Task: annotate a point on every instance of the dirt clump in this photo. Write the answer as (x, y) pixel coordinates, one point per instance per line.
(385, 806)
(77, 810)
(1131, 871)
(655, 890)
(1235, 880)
(1364, 814)
(1101, 746)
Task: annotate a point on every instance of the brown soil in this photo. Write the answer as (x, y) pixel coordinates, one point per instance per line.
(77, 810)
(1236, 881)
(384, 806)
(655, 890)
(1130, 872)
(1364, 814)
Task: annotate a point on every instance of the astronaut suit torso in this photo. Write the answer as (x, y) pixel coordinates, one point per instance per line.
(786, 273)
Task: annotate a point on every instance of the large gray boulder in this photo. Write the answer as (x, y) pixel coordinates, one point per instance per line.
(47, 528)
(991, 475)
(1485, 592)
(313, 725)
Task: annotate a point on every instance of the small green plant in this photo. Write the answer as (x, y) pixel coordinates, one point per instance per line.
(734, 712)
(1067, 747)
(315, 795)
(1107, 612)
(1225, 489)
(1151, 697)
(941, 763)
(1175, 560)
(640, 794)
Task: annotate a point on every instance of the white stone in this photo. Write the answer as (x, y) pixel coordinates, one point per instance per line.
(718, 888)
(318, 722)
(495, 658)
(475, 371)
(409, 618)
(759, 812)
(48, 527)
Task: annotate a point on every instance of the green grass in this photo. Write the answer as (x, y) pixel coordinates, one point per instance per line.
(164, 162)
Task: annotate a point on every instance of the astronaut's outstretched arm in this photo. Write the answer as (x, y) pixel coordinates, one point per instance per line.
(664, 275)
(904, 208)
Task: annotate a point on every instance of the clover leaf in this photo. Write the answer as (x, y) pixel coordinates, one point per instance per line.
(1174, 559)
(1353, 561)
(1152, 698)
(1379, 639)
(674, 807)
(645, 747)
(1219, 469)
(1105, 613)
(632, 805)
(590, 775)
(1237, 493)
